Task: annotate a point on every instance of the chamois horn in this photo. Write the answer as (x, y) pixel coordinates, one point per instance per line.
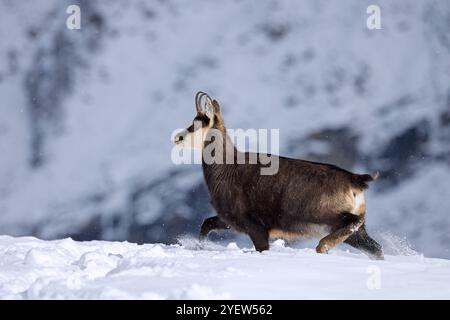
(198, 99)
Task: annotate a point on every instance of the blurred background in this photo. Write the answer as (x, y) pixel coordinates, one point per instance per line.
(86, 116)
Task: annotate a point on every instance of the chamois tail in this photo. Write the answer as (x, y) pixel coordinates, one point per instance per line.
(362, 180)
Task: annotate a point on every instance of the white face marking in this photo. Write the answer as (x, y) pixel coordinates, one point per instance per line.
(195, 139)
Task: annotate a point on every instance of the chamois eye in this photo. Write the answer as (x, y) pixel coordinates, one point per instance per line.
(180, 138)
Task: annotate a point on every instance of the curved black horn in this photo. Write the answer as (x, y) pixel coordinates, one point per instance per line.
(198, 99)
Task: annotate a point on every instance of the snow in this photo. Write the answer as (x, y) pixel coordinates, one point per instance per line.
(116, 139)
(65, 269)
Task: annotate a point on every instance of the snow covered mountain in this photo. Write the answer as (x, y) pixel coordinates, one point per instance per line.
(66, 269)
(86, 116)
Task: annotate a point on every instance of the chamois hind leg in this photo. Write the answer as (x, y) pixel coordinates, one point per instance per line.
(340, 235)
(361, 240)
(211, 223)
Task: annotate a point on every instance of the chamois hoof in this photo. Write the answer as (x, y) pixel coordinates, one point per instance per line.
(262, 248)
(377, 256)
(322, 248)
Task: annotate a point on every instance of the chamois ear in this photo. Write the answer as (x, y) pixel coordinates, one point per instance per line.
(216, 106)
(209, 108)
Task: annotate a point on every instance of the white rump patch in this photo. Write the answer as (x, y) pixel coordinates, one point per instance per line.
(360, 203)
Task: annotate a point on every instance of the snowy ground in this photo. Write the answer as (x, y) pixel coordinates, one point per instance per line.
(66, 269)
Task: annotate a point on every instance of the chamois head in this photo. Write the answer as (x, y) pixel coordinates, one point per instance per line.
(194, 136)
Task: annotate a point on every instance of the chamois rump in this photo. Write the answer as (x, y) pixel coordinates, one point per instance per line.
(303, 199)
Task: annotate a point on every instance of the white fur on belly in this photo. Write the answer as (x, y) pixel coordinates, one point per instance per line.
(307, 231)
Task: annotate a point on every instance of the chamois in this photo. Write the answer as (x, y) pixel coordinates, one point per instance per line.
(303, 199)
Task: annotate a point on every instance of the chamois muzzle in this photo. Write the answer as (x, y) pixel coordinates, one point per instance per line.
(179, 137)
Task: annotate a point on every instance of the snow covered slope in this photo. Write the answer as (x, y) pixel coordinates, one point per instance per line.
(66, 269)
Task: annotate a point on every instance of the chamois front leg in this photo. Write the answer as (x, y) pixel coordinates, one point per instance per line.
(211, 223)
(340, 235)
(258, 234)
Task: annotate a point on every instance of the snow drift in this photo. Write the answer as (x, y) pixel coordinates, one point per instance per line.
(66, 269)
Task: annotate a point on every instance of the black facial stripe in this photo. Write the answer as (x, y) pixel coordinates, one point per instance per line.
(204, 120)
